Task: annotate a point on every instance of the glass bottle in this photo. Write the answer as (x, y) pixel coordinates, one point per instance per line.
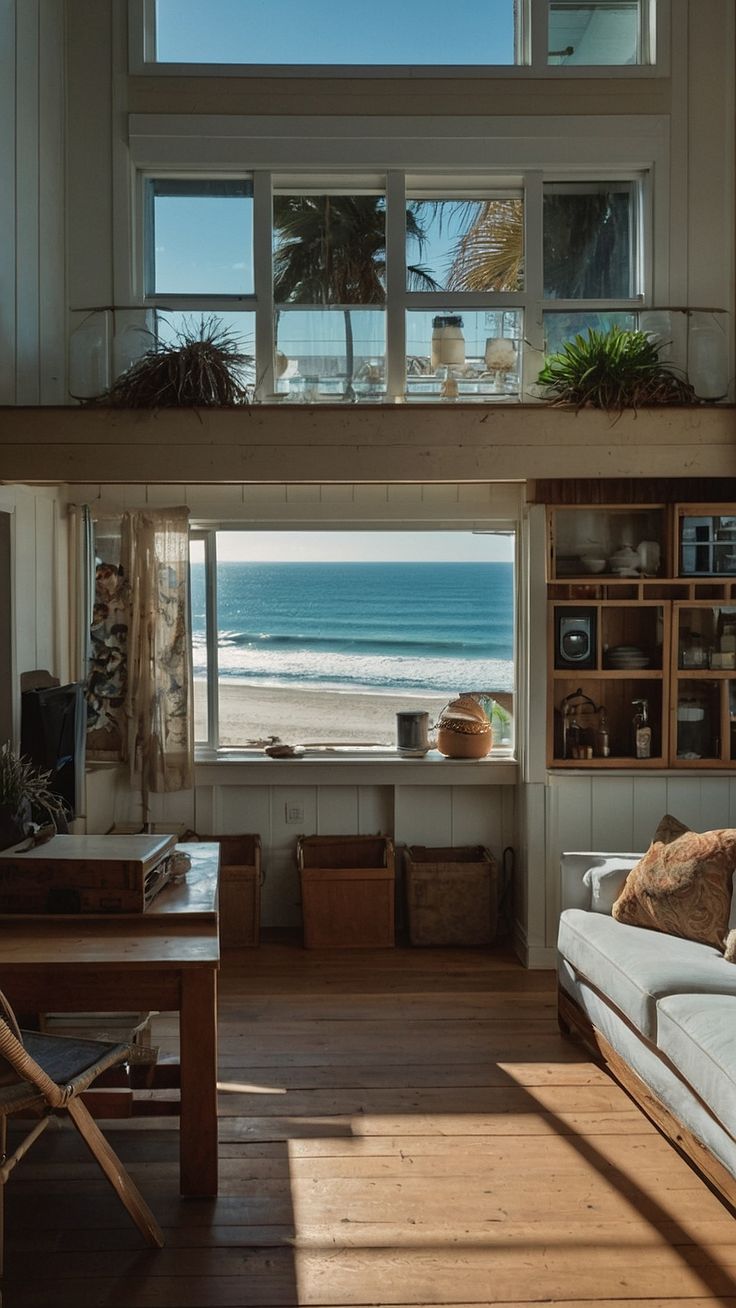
(641, 729)
(573, 737)
(602, 737)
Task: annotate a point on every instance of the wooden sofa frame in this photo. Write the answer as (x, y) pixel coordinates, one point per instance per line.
(576, 1024)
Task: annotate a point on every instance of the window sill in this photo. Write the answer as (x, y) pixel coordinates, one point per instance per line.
(352, 766)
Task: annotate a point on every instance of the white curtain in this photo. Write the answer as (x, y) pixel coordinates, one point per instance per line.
(159, 737)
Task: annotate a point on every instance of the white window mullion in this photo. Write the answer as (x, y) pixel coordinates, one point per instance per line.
(213, 671)
(539, 40)
(263, 277)
(533, 353)
(395, 285)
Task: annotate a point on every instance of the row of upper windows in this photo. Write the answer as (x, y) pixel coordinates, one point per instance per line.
(321, 35)
(331, 248)
(357, 294)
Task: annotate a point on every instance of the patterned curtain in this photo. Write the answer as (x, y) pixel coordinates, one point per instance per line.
(159, 737)
(107, 682)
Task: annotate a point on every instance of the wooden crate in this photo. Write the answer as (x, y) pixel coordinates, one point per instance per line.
(452, 895)
(347, 891)
(240, 890)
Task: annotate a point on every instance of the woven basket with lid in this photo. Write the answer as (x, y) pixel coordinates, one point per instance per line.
(464, 730)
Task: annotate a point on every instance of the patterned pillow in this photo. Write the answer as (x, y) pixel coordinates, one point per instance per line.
(682, 885)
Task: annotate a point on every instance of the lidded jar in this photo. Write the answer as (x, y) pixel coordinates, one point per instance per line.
(448, 342)
(464, 730)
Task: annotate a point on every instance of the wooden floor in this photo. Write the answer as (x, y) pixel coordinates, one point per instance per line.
(403, 1127)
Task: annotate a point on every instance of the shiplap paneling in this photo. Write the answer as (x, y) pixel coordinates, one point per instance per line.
(429, 815)
(620, 814)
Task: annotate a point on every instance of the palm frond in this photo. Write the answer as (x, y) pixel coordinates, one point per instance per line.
(490, 255)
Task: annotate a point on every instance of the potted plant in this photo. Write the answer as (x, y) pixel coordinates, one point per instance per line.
(25, 798)
(203, 366)
(612, 370)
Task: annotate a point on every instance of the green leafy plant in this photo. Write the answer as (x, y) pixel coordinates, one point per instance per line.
(205, 366)
(25, 796)
(614, 370)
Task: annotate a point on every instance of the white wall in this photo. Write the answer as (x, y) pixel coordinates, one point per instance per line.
(32, 203)
(38, 601)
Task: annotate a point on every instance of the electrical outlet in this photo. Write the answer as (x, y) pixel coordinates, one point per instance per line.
(294, 812)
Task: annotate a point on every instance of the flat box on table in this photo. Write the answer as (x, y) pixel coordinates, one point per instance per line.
(452, 895)
(240, 890)
(83, 874)
(347, 891)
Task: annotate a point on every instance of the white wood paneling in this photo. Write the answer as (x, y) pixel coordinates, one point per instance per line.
(45, 588)
(618, 814)
(413, 814)
(423, 816)
(34, 530)
(375, 810)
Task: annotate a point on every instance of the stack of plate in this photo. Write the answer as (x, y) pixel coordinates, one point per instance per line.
(627, 656)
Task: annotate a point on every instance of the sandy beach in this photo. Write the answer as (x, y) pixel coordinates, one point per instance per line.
(253, 714)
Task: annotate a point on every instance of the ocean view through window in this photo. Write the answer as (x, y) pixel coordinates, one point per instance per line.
(321, 637)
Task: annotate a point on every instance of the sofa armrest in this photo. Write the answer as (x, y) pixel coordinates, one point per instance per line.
(598, 891)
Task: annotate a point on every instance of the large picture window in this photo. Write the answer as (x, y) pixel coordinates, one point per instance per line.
(321, 637)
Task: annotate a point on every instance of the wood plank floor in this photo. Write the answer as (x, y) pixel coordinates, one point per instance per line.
(404, 1127)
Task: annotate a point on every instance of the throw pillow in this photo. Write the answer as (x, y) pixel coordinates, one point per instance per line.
(682, 885)
(670, 828)
(730, 950)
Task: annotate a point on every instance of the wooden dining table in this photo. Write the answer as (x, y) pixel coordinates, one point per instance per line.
(165, 959)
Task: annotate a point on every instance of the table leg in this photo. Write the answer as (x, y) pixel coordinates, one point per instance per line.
(198, 1044)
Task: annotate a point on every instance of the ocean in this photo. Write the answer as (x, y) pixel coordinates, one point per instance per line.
(382, 627)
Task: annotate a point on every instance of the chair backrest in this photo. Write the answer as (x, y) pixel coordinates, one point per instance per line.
(16, 1063)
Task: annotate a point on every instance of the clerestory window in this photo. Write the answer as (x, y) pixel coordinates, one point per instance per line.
(329, 38)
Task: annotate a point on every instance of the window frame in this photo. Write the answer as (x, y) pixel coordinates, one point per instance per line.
(531, 54)
(210, 750)
(399, 299)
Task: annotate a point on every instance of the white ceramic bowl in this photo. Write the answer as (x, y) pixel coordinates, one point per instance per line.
(592, 564)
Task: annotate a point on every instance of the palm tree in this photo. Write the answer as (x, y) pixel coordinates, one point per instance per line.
(489, 256)
(585, 246)
(332, 250)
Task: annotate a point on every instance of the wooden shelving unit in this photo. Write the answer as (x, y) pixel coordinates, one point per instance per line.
(614, 639)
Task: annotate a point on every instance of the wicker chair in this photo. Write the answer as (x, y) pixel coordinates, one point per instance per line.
(44, 1075)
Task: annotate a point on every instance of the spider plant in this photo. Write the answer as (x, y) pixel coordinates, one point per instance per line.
(203, 366)
(613, 370)
(25, 797)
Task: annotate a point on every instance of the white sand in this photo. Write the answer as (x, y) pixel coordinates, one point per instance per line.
(253, 714)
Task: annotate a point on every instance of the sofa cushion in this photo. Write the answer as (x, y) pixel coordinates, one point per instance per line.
(682, 886)
(635, 968)
(698, 1034)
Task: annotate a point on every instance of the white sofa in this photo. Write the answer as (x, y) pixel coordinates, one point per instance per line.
(660, 1010)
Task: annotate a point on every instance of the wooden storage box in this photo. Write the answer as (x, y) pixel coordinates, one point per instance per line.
(240, 889)
(347, 891)
(84, 874)
(452, 895)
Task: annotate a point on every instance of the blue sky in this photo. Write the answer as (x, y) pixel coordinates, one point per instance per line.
(363, 547)
(336, 31)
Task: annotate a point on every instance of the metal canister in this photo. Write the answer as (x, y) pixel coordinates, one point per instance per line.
(412, 733)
